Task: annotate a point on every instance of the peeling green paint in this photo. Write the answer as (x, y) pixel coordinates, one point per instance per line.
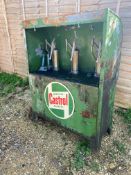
(84, 126)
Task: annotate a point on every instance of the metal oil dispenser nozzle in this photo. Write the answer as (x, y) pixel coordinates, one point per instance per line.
(52, 56)
(74, 57)
(42, 53)
(55, 60)
(49, 53)
(96, 52)
(74, 66)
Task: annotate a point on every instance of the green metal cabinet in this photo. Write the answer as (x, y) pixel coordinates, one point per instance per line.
(82, 102)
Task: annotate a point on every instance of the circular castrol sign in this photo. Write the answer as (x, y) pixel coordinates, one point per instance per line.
(59, 100)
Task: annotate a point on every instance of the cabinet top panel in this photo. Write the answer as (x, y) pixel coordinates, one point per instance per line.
(84, 17)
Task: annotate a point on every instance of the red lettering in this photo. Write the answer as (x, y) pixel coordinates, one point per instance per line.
(57, 100)
(49, 98)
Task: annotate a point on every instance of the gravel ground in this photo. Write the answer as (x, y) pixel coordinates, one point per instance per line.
(38, 148)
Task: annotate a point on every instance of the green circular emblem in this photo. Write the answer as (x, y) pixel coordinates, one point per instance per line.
(59, 100)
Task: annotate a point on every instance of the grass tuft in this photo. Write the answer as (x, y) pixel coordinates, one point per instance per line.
(120, 146)
(82, 151)
(94, 166)
(9, 82)
(126, 115)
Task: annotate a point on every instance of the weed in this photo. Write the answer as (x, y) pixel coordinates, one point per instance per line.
(120, 146)
(126, 114)
(82, 150)
(94, 166)
(9, 82)
(112, 154)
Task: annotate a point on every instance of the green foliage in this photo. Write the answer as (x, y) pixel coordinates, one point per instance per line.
(82, 151)
(9, 82)
(120, 146)
(111, 154)
(126, 114)
(94, 166)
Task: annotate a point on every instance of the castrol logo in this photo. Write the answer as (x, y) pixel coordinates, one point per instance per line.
(59, 100)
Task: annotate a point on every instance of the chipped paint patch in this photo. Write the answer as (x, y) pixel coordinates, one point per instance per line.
(87, 114)
(54, 21)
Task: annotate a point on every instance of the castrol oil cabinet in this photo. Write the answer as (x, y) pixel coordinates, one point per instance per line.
(73, 68)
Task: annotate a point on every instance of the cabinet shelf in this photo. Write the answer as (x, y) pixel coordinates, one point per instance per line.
(81, 78)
